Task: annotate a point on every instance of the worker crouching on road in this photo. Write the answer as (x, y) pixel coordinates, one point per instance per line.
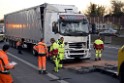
(19, 45)
(54, 53)
(5, 66)
(61, 51)
(41, 48)
(98, 46)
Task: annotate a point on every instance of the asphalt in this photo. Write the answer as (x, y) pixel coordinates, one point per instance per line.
(24, 73)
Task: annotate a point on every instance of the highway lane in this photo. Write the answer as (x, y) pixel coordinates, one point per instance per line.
(109, 53)
(24, 73)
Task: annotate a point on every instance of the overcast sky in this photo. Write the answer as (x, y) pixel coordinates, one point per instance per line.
(8, 6)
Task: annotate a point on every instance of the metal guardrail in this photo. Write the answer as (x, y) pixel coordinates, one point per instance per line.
(111, 40)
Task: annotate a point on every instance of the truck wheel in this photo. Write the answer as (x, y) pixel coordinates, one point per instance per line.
(121, 76)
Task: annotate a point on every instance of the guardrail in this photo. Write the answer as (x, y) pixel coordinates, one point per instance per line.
(110, 39)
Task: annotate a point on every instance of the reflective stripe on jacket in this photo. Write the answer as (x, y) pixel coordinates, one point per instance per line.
(41, 48)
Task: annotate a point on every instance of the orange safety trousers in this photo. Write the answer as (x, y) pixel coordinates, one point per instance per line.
(6, 78)
(42, 62)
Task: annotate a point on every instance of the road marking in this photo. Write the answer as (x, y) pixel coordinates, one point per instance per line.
(35, 67)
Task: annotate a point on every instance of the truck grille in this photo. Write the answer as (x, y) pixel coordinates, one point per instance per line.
(76, 56)
(75, 45)
(76, 51)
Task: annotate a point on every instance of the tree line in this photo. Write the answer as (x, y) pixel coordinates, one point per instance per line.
(96, 10)
(1, 21)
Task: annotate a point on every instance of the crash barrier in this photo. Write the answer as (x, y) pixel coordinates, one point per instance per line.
(106, 69)
(109, 39)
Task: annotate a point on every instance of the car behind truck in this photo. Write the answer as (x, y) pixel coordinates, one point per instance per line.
(50, 21)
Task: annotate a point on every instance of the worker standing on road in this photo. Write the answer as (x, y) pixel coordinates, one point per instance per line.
(54, 53)
(5, 66)
(19, 45)
(41, 48)
(61, 51)
(98, 46)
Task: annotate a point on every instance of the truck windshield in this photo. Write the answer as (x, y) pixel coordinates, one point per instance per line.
(74, 28)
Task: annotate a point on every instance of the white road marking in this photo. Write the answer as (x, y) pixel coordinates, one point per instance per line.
(35, 67)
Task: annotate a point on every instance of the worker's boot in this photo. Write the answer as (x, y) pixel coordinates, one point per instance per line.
(19, 52)
(100, 59)
(60, 66)
(95, 59)
(44, 72)
(39, 71)
(55, 69)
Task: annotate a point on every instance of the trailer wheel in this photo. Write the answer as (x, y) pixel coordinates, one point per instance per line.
(121, 73)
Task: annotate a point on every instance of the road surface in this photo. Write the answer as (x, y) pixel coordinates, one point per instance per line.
(26, 69)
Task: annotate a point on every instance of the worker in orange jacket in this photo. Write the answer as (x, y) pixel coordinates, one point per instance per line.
(98, 46)
(19, 45)
(42, 51)
(5, 66)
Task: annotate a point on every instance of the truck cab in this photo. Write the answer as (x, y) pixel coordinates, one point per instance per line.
(65, 21)
(121, 64)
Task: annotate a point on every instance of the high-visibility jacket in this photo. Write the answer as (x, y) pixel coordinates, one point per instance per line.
(41, 48)
(4, 62)
(54, 49)
(61, 48)
(98, 44)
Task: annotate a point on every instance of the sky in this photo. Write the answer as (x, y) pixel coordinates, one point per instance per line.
(9, 6)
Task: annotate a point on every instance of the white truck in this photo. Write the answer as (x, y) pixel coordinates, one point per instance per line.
(50, 21)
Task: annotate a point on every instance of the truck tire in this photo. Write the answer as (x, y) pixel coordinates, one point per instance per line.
(121, 74)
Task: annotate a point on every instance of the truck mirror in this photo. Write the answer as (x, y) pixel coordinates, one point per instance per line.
(55, 27)
(85, 21)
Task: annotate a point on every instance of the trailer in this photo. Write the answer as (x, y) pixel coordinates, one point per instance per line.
(50, 21)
